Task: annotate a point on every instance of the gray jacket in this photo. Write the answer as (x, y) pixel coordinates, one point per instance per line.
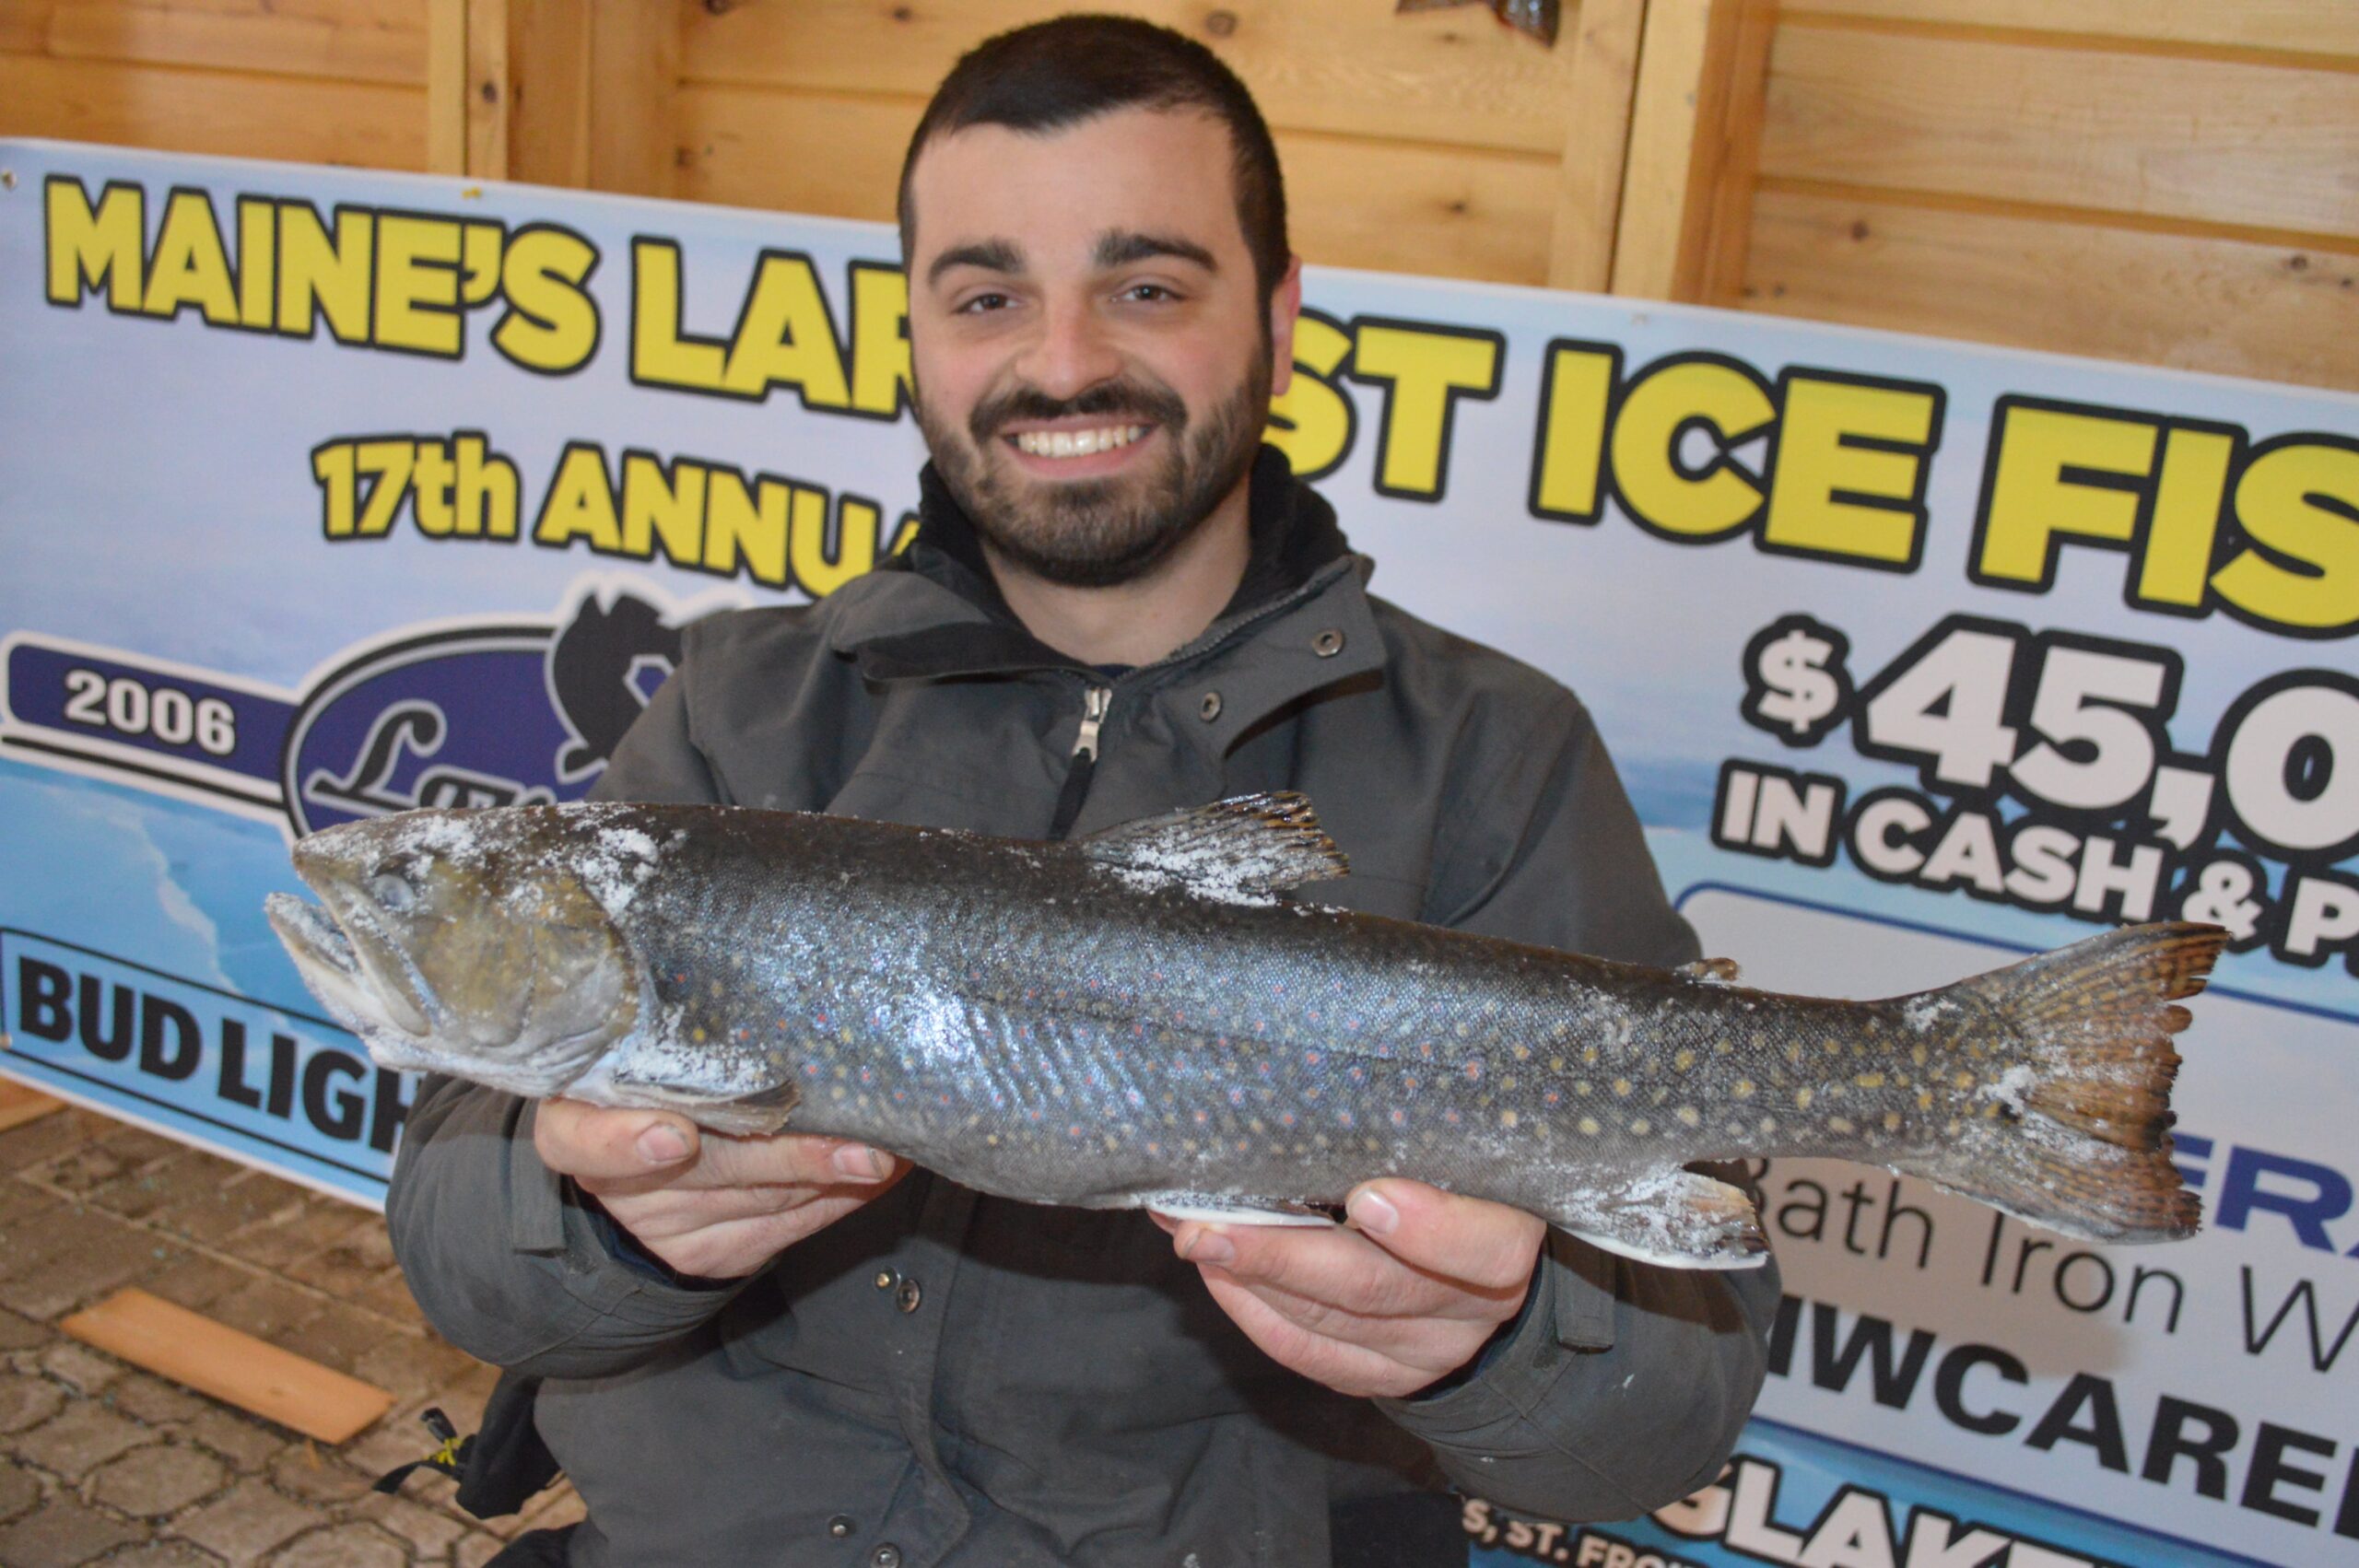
(948, 1378)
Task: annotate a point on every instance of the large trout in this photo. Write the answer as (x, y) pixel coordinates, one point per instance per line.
(1139, 1019)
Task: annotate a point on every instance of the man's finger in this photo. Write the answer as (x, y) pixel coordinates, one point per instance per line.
(1486, 1246)
(788, 1159)
(600, 1143)
(1337, 1268)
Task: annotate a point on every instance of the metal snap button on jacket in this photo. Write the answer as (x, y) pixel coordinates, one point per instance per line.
(1210, 706)
(842, 1526)
(886, 1556)
(886, 1278)
(907, 1298)
(1328, 644)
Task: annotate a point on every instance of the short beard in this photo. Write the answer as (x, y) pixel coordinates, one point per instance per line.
(1086, 533)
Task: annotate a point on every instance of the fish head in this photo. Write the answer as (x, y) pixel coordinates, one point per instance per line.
(480, 944)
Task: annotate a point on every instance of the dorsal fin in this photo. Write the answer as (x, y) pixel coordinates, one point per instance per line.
(1244, 851)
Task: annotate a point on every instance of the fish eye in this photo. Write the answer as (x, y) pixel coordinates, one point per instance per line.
(393, 892)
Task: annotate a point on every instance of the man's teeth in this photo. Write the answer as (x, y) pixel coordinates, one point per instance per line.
(1077, 444)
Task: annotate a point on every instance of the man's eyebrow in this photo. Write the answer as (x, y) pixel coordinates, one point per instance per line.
(1121, 247)
(991, 255)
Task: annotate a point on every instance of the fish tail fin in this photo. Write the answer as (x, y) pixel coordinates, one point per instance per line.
(2068, 1121)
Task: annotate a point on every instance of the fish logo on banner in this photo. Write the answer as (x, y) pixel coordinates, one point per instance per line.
(511, 712)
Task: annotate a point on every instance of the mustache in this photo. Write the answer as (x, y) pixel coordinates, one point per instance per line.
(1141, 404)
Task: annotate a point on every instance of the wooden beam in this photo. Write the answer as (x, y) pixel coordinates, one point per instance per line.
(1597, 138)
(548, 91)
(213, 1358)
(1730, 241)
(20, 1104)
(1681, 139)
(487, 90)
(446, 86)
(634, 84)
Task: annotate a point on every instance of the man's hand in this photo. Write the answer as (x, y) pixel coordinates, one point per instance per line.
(708, 1204)
(1407, 1293)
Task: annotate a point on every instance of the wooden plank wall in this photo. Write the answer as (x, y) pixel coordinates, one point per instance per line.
(1431, 143)
(2174, 181)
(326, 81)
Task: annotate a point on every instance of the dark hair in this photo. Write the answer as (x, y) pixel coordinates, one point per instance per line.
(1055, 74)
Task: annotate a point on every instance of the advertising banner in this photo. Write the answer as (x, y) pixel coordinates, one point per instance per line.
(325, 495)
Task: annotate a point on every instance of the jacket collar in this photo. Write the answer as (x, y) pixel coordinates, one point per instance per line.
(934, 611)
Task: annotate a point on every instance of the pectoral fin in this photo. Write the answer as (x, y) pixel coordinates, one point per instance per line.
(1672, 1217)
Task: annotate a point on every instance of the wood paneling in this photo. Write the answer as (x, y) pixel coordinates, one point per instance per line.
(2233, 306)
(1392, 206)
(2218, 141)
(2174, 181)
(2299, 27)
(1350, 67)
(1402, 208)
(792, 151)
(229, 112)
(352, 39)
(1693, 144)
(1604, 36)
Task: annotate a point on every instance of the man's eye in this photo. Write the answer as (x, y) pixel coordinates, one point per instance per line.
(982, 303)
(1148, 293)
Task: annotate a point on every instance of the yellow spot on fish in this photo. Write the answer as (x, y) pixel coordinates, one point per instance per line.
(1523, 1053)
(1556, 1064)
(1838, 1124)
(696, 1034)
(1687, 1116)
(1831, 1046)
(1589, 1055)
(1641, 1127)
(1916, 1054)
(1622, 1086)
(1870, 1080)
(1965, 1080)
(1768, 1125)
(1464, 1029)
(1507, 1119)
(1683, 1061)
(1892, 1121)
(1742, 1088)
(1802, 1097)
(1924, 1099)
(1588, 1127)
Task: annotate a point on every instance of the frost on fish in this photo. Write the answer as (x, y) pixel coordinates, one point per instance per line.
(1137, 1018)
(1245, 850)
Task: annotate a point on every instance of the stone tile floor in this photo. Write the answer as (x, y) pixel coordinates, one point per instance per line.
(103, 1463)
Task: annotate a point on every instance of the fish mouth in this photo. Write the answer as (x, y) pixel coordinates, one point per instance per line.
(361, 977)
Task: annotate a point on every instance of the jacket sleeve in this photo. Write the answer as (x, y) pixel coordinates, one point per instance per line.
(1622, 1386)
(503, 1258)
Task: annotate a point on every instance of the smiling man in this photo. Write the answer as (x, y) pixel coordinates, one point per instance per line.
(791, 1349)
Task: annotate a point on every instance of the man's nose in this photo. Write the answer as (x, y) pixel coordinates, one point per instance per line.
(1072, 353)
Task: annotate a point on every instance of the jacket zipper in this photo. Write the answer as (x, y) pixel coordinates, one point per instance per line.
(1095, 701)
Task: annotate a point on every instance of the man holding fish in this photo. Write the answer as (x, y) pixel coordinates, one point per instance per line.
(797, 1349)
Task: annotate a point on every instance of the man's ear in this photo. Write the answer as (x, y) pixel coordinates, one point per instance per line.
(1286, 304)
